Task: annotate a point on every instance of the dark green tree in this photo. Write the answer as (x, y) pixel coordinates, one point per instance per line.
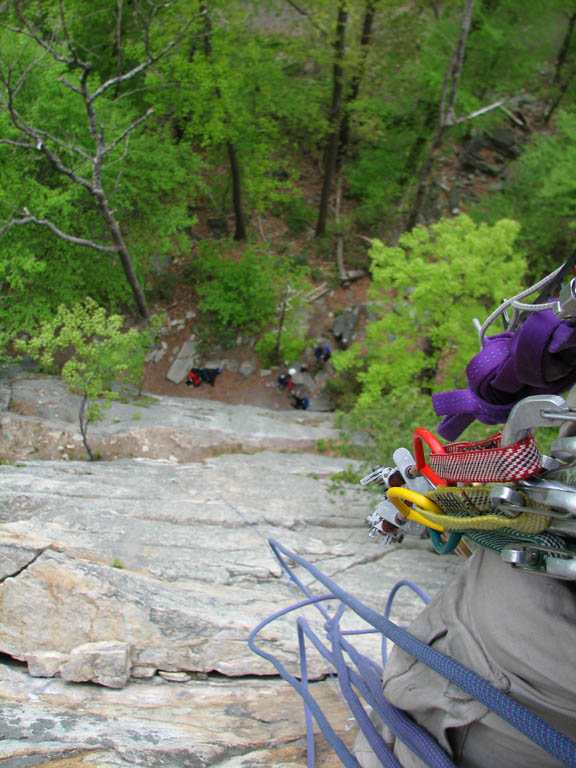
(74, 153)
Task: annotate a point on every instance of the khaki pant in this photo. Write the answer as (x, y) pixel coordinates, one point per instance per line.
(515, 629)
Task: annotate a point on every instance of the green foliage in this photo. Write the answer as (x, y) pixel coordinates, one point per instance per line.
(236, 293)
(102, 358)
(298, 214)
(241, 94)
(287, 341)
(147, 177)
(291, 347)
(433, 284)
(541, 195)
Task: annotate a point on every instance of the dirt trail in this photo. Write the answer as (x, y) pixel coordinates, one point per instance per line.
(259, 387)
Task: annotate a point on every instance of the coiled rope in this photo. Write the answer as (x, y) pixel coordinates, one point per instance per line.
(366, 679)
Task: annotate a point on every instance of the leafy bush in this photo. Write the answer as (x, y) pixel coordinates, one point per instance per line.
(236, 293)
(435, 282)
(541, 195)
(291, 347)
(101, 357)
(299, 215)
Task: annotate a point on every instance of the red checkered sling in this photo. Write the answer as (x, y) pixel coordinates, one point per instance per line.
(486, 461)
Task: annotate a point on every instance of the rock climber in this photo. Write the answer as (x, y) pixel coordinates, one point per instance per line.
(194, 377)
(209, 375)
(322, 353)
(284, 381)
(300, 403)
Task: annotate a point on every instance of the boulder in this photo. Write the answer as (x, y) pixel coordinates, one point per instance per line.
(106, 663)
(344, 325)
(187, 358)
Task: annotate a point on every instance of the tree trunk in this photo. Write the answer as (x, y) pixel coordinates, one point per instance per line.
(446, 112)
(281, 320)
(561, 82)
(331, 151)
(240, 225)
(119, 4)
(240, 231)
(369, 13)
(124, 254)
(84, 427)
(564, 48)
(342, 272)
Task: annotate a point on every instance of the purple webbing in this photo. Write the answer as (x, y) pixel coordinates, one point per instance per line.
(537, 359)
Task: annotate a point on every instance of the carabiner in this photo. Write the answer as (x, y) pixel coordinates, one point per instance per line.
(399, 497)
(419, 437)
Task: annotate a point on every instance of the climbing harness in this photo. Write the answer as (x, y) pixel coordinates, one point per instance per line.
(501, 493)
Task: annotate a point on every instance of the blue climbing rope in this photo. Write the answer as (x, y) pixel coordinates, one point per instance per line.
(366, 679)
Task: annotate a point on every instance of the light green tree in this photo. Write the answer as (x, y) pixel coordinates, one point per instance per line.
(286, 340)
(76, 138)
(429, 288)
(103, 359)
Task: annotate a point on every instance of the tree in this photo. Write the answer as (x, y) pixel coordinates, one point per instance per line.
(541, 195)
(287, 339)
(240, 228)
(429, 288)
(563, 73)
(237, 292)
(83, 157)
(356, 79)
(446, 116)
(246, 112)
(102, 358)
(335, 117)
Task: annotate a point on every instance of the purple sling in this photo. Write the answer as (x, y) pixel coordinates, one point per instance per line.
(537, 359)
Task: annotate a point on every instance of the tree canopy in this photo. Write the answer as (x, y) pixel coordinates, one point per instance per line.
(124, 126)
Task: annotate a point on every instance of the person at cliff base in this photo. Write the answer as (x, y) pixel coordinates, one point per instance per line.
(300, 403)
(322, 353)
(194, 377)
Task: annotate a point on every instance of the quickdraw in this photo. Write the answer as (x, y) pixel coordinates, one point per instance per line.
(486, 461)
(530, 518)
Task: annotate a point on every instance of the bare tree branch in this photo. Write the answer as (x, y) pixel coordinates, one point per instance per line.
(65, 145)
(17, 144)
(43, 141)
(53, 228)
(70, 85)
(71, 47)
(304, 13)
(477, 113)
(27, 70)
(140, 68)
(297, 8)
(41, 146)
(47, 45)
(128, 130)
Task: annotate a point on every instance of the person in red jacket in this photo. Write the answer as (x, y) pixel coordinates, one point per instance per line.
(194, 377)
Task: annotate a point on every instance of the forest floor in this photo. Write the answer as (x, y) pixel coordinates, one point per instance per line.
(258, 388)
(458, 186)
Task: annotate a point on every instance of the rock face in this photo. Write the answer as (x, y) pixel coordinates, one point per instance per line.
(43, 423)
(146, 577)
